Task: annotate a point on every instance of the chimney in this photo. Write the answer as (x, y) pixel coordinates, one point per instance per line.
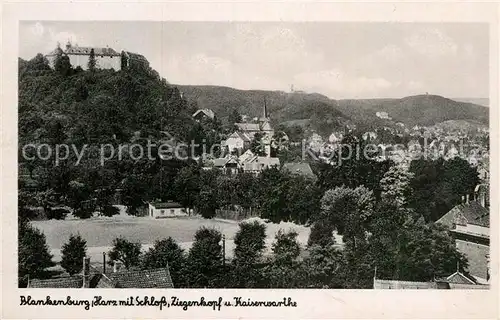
(467, 198)
(463, 199)
(86, 272)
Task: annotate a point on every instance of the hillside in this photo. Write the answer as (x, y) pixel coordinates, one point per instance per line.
(485, 102)
(317, 111)
(312, 111)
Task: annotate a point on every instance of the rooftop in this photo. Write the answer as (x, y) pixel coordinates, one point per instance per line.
(166, 205)
(471, 213)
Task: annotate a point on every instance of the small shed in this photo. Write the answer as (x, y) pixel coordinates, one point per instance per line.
(166, 209)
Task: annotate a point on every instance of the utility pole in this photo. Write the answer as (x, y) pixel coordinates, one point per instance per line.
(224, 250)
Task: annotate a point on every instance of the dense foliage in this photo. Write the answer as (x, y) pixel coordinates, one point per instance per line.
(73, 253)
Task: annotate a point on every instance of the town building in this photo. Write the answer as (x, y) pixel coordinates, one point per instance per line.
(228, 165)
(299, 168)
(166, 209)
(203, 114)
(246, 132)
(455, 281)
(92, 277)
(256, 164)
(469, 224)
(238, 140)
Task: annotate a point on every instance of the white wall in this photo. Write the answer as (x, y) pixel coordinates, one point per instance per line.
(105, 62)
(167, 212)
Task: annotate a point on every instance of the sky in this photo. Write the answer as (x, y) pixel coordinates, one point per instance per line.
(337, 59)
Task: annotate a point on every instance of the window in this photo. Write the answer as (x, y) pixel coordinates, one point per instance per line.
(162, 211)
(172, 211)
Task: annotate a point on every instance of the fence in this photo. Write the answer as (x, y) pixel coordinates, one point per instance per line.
(237, 215)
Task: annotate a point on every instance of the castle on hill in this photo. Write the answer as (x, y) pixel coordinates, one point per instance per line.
(106, 58)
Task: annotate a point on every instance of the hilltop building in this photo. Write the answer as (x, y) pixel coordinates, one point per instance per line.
(106, 58)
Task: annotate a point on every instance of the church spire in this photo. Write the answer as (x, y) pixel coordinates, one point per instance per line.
(265, 108)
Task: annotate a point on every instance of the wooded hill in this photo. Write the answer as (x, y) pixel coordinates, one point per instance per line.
(322, 114)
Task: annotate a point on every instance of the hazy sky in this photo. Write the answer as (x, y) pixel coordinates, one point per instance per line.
(338, 59)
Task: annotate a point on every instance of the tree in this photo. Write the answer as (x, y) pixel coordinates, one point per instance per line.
(257, 146)
(78, 193)
(33, 253)
(320, 268)
(186, 186)
(204, 263)
(283, 269)
(167, 252)
(234, 117)
(395, 185)
(62, 65)
(92, 64)
(249, 245)
(437, 185)
(123, 60)
(348, 210)
(73, 253)
(125, 252)
(321, 235)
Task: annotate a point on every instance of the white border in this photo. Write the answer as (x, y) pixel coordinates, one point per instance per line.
(311, 303)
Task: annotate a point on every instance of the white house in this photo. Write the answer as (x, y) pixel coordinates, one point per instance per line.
(237, 141)
(166, 209)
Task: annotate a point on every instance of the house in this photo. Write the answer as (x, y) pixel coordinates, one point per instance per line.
(239, 140)
(245, 156)
(262, 125)
(369, 135)
(382, 115)
(203, 114)
(335, 138)
(299, 168)
(256, 164)
(106, 58)
(455, 281)
(469, 224)
(228, 165)
(166, 209)
(92, 277)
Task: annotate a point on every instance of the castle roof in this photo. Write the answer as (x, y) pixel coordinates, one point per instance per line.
(76, 50)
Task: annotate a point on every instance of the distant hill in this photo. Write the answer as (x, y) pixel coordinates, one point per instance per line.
(323, 114)
(485, 102)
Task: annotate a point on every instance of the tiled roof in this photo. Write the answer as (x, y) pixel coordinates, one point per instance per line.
(243, 136)
(300, 168)
(459, 278)
(155, 278)
(248, 126)
(97, 51)
(209, 113)
(472, 213)
(65, 282)
(166, 205)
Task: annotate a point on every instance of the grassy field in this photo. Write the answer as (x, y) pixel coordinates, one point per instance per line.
(100, 232)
